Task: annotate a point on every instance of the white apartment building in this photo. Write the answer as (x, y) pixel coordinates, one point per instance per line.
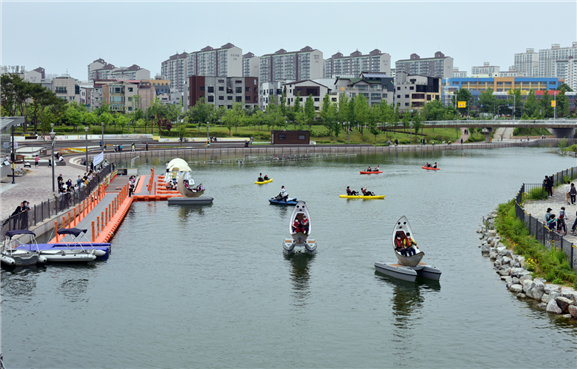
(269, 91)
(548, 58)
(100, 69)
(66, 89)
(459, 74)
(250, 65)
(339, 65)
(567, 70)
(527, 63)
(94, 66)
(307, 63)
(440, 66)
(225, 61)
(485, 69)
(306, 89)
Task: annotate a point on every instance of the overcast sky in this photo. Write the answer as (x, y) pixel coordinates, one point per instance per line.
(67, 36)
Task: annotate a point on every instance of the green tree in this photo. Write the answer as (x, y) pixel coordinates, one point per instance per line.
(106, 118)
(362, 113)
(565, 86)
(464, 95)
(406, 120)
(545, 105)
(487, 101)
(343, 112)
(73, 116)
(297, 111)
(562, 103)
(309, 111)
(531, 106)
(515, 100)
(282, 105)
(374, 117)
(417, 120)
(122, 120)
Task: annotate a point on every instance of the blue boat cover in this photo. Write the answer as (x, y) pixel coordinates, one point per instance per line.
(13, 233)
(73, 231)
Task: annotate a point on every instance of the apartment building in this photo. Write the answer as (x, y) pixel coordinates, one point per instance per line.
(413, 92)
(94, 66)
(305, 64)
(376, 87)
(119, 95)
(567, 70)
(527, 63)
(512, 72)
(174, 69)
(250, 65)
(96, 96)
(305, 88)
(223, 91)
(66, 88)
(35, 76)
(440, 66)
(270, 91)
(459, 74)
(485, 69)
(339, 65)
(549, 57)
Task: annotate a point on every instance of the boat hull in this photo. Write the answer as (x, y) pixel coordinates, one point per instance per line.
(290, 202)
(102, 250)
(68, 256)
(372, 172)
(290, 246)
(21, 258)
(264, 182)
(429, 168)
(409, 273)
(205, 200)
(378, 197)
(412, 261)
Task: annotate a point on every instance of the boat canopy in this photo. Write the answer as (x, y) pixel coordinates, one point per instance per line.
(73, 231)
(180, 168)
(15, 232)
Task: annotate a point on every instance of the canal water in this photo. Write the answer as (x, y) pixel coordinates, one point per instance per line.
(203, 287)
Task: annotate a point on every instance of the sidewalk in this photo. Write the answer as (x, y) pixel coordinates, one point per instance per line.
(538, 208)
(34, 187)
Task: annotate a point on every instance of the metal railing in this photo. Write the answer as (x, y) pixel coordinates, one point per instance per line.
(548, 237)
(53, 206)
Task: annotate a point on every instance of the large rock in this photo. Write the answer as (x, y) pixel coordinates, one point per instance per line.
(492, 255)
(545, 298)
(516, 288)
(501, 250)
(542, 305)
(526, 285)
(569, 293)
(506, 260)
(563, 303)
(490, 241)
(573, 311)
(497, 263)
(536, 290)
(517, 272)
(485, 250)
(515, 280)
(552, 288)
(507, 252)
(504, 271)
(492, 233)
(553, 308)
(509, 282)
(525, 277)
(521, 295)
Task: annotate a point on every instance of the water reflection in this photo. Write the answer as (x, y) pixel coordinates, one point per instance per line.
(20, 281)
(283, 211)
(185, 210)
(300, 262)
(406, 303)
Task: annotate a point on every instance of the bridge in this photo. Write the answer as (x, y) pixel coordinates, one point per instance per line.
(561, 128)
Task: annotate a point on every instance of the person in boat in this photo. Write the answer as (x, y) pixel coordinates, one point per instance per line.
(377, 169)
(410, 245)
(305, 224)
(428, 165)
(366, 193)
(260, 179)
(297, 226)
(399, 246)
(435, 165)
(265, 177)
(351, 192)
(283, 195)
(369, 169)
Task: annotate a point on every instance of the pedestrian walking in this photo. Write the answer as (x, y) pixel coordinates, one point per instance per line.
(36, 159)
(573, 193)
(568, 192)
(147, 146)
(133, 147)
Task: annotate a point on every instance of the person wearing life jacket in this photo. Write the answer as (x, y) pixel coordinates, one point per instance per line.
(399, 246)
(297, 226)
(377, 169)
(410, 245)
(434, 166)
(305, 225)
(366, 193)
(351, 192)
(369, 169)
(260, 179)
(265, 177)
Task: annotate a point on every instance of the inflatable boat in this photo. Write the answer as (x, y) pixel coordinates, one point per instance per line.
(263, 182)
(20, 256)
(430, 168)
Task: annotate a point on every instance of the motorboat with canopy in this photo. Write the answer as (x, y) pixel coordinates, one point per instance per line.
(300, 228)
(72, 239)
(13, 256)
(407, 267)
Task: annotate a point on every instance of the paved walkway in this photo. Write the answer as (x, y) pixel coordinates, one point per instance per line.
(538, 209)
(34, 187)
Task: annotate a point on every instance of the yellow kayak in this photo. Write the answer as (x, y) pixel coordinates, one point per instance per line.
(362, 197)
(267, 181)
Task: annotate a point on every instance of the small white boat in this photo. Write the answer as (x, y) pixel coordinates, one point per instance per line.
(300, 228)
(408, 266)
(14, 257)
(73, 252)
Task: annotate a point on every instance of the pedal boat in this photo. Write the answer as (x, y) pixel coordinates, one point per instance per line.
(408, 267)
(371, 172)
(430, 168)
(377, 197)
(299, 239)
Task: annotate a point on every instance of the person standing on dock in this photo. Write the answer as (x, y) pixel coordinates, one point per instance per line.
(133, 147)
(147, 146)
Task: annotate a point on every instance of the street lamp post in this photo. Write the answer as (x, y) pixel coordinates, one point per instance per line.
(349, 131)
(207, 130)
(86, 130)
(103, 144)
(52, 136)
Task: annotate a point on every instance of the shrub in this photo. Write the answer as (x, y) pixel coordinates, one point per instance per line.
(537, 193)
(562, 143)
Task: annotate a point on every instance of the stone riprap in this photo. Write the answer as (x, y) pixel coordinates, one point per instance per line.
(553, 297)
